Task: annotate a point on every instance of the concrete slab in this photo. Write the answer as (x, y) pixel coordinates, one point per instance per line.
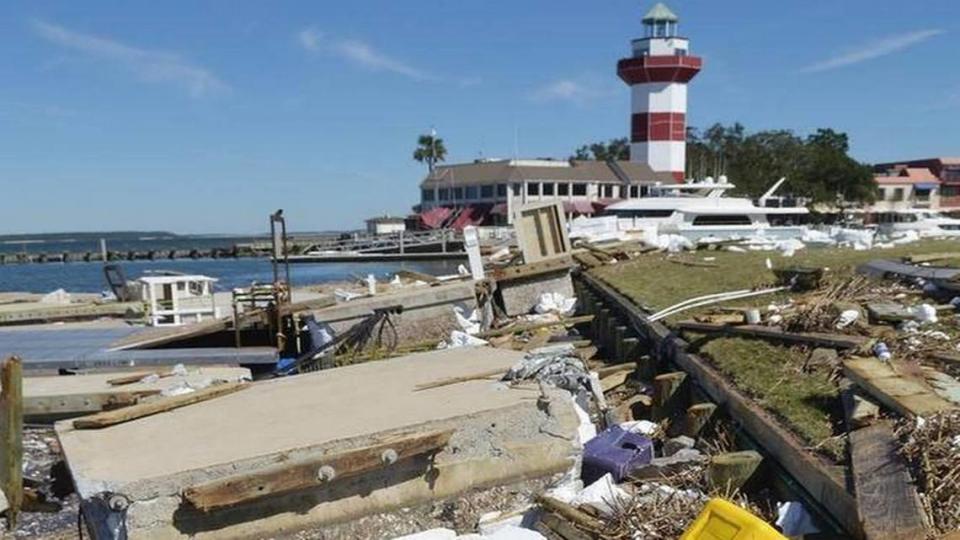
(501, 434)
(73, 395)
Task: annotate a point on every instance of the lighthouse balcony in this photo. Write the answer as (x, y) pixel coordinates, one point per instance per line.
(673, 68)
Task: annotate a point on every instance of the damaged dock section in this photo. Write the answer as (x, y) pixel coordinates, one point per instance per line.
(496, 434)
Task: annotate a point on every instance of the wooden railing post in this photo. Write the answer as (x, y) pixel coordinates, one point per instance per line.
(11, 447)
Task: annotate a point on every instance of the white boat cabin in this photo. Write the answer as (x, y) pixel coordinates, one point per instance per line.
(174, 300)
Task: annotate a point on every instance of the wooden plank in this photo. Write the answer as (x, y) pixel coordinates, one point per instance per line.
(823, 481)
(835, 341)
(119, 416)
(42, 407)
(38, 312)
(887, 502)
(312, 472)
(907, 396)
(11, 437)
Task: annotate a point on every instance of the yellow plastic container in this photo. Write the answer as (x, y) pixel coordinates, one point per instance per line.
(723, 520)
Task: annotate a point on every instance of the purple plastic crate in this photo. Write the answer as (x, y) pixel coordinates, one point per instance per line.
(615, 451)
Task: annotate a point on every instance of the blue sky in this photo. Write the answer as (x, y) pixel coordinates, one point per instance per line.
(205, 116)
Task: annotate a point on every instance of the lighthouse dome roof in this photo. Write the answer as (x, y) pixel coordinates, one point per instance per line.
(660, 12)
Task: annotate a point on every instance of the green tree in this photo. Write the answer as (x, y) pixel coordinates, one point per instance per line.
(615, 149)
(430, 150)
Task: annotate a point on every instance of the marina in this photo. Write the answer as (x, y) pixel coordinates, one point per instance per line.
(691, 331)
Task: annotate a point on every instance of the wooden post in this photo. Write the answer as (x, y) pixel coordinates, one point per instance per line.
(631, 348)
(11, 451)
(697, 417)
(619, 351)
(666, 393)
(729, 472)
(601, 337)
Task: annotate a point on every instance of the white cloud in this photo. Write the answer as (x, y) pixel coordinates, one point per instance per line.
(875, 49)
(150, 66)
(578, 91)
(360, 53)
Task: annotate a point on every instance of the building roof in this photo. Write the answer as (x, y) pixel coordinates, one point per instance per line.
(386, 219)
(504, 171)
(907, 175)
(660, 12)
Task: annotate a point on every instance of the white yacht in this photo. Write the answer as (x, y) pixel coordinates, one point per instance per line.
(926, 222)
(700, 210)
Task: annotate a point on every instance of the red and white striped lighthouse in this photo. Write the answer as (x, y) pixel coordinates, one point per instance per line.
(658, 73)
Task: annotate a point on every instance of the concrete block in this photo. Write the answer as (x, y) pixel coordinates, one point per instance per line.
(499, 436)
(521, 295)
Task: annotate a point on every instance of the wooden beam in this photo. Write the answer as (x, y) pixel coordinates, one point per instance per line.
(312, 472)
(887, 501)
(11, 437)
(43, 407)
(119, 416)
(521, 271)
(835, 341)
(513, 329)
(906, 395)
(822, 480)
(697, 417)
(457, 380)
(858, 410)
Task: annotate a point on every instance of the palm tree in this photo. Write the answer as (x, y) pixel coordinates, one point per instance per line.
(430, 149)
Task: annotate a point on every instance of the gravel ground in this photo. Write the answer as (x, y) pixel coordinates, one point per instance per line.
(460, 514)
(43, 463)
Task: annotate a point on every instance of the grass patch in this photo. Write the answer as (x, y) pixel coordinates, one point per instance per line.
(655, 282)
(771, 375)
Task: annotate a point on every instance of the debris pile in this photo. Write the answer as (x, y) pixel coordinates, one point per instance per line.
(931, 446)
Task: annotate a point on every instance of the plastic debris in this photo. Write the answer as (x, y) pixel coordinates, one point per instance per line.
(554, 302)
(604, 495)
(59, 297)
(461, 339)
(847, 318)
(644, 427)
(615, 452)
(881, 351)
(469, 324)
(794, 520)
(924, 313)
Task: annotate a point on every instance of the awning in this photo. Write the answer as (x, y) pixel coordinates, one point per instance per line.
(435, 217)
(926, 185)
(471, 215)
(578, 207)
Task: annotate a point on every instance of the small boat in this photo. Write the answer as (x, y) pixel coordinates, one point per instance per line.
(925, 222)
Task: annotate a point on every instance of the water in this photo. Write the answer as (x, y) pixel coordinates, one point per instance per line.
(88, 277)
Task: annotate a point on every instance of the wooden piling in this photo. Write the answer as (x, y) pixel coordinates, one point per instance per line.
(666, 393)
(697, 417)
(11, 447)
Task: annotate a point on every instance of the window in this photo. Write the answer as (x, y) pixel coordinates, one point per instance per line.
(608, 192)
(579, 190)
(426, 195)
(721, 219)
(516, 190)
(533, 188)
(563, 189)
(501, 190)
(457, 193)
(443, 194)
(548, 188)
(643, 213)
(897, 194)
(634, 190)
(471, 192)
(486, 192)
(922, 194)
